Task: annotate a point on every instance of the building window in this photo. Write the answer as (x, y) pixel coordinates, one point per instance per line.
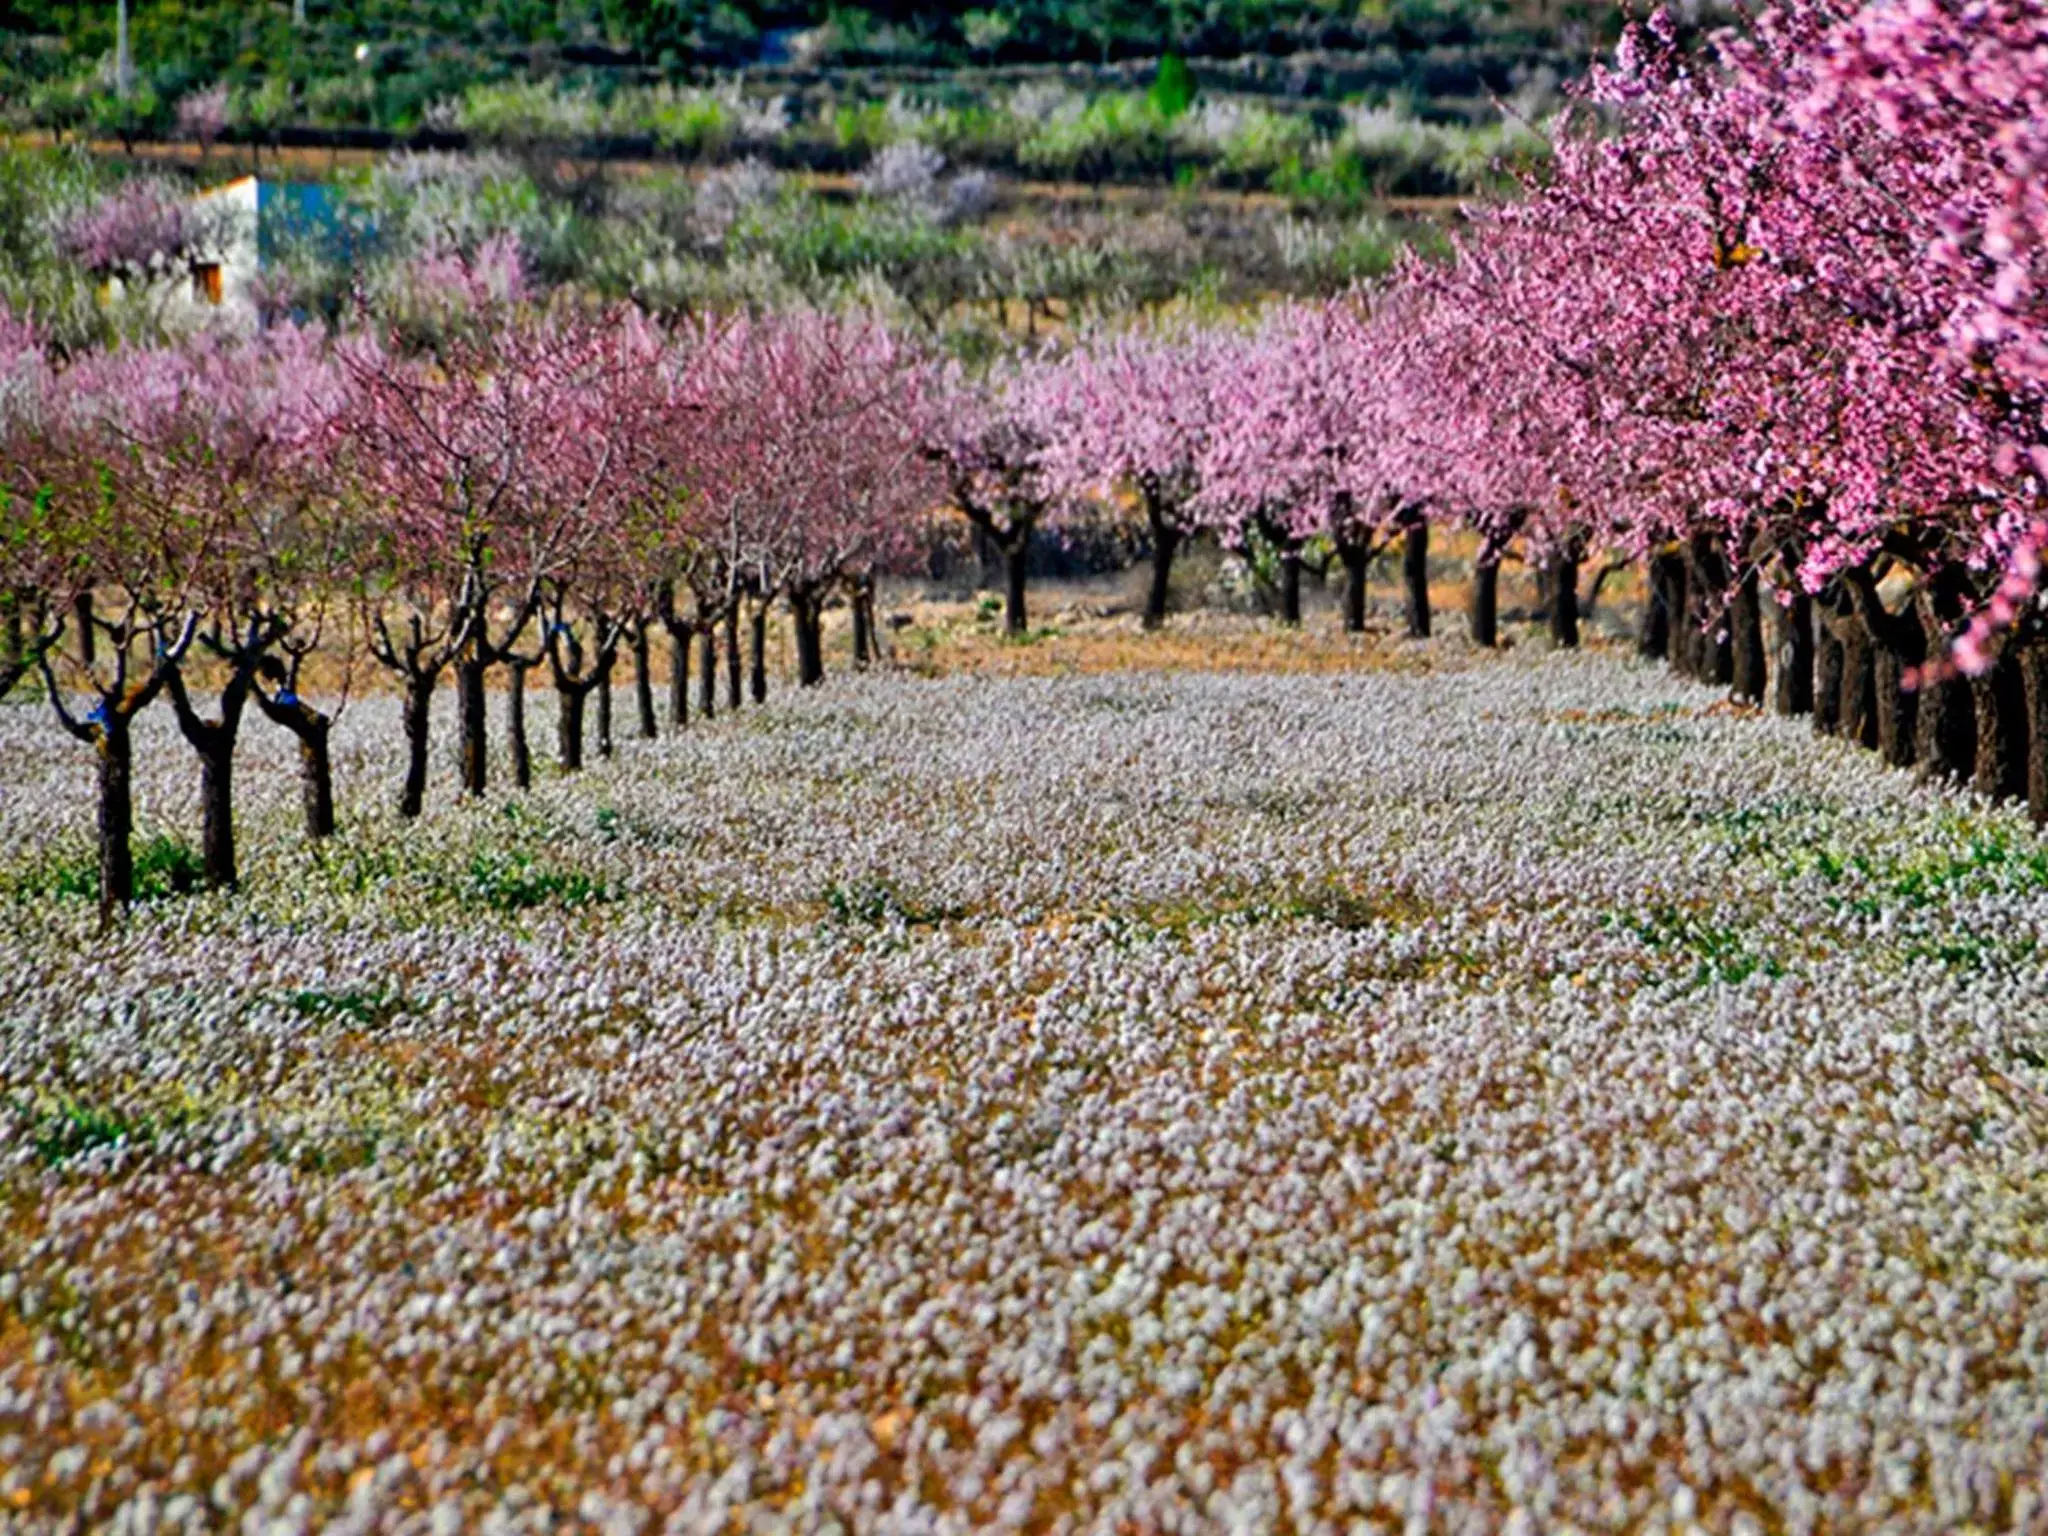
(206, 282)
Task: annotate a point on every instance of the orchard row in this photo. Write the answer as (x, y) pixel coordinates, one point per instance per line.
(1772, 325)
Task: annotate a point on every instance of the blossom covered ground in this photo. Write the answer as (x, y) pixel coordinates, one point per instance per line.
(1520, 1097)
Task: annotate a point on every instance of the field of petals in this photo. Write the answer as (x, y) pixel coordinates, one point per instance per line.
(1526, 1096)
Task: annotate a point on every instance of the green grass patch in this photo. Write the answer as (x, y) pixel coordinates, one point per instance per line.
(72, 1128)
(1720, 953)
(516, 882)
(165, 867)
(370, 1005)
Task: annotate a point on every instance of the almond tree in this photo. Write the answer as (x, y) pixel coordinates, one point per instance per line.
(991, 440)
(141, 554)
(216, 439)
(810, 454)
(1140, 408)
(1308, 439)
(476, 471)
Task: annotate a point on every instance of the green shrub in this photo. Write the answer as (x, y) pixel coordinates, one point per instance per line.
(1173, 88)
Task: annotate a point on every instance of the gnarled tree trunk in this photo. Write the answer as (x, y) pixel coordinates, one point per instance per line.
(863, 627)
(707, 671)
(569, 726)
(214, 741)
(1859, 682)
(1687, 643)
(1897, 645)
(1016, 567)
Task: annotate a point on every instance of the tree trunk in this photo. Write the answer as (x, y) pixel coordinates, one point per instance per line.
(214, 741)
(217, 810)
(117, 814)
(1859, 684)
(757, 653)
(1564, 602)
(1999, 702)
(1897, 708)
(1746, 622)
(472, 710)
(732, 656)
(1016, 566)
(2033, 665)
(1686, 640)
(1792, 671)
(605, 662)
(1653, 638)
(1486, 603)
(643, 683)
(1290, 586)
(1165, 540)
(707, 672)
(1945, 729)
(1415, 574)
(1706, 583)
(1356, 558)
(678, 676)
(1829, 662)
(569, 726)
(805, 615)
(863, 635)
(419, 700)
(515, 728)
(316, 780)
(313, 732)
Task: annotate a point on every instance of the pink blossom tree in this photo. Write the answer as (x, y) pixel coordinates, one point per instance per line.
(991, 438)
(1140, 406)
(479, 469)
